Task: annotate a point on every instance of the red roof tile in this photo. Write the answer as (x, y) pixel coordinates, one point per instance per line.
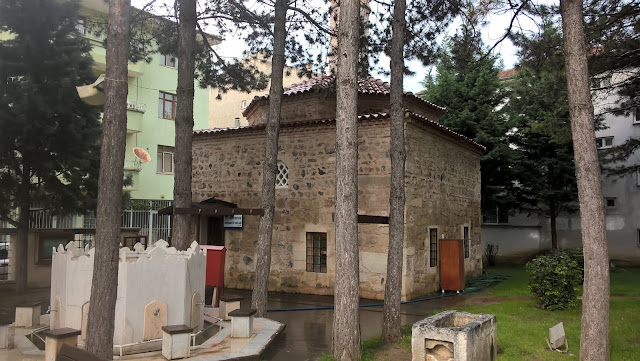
(368, 85)
(506, 74)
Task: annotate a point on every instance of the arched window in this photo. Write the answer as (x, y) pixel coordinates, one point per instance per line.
(282, 176)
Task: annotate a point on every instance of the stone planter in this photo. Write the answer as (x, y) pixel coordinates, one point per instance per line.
(455, 336)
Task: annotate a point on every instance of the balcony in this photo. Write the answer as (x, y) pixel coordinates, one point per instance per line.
(135, 112)
(133, 165)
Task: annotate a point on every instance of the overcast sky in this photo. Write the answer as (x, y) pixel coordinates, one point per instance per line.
(234, 47)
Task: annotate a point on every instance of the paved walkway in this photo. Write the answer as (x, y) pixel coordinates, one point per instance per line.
(307, 335)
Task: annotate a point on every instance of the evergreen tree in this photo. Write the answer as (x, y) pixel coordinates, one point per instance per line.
(467, 84)
(539, 110)
(49, 143)
(594, 331)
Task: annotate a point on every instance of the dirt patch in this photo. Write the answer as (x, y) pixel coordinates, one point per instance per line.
(392, 352)
(634, 341)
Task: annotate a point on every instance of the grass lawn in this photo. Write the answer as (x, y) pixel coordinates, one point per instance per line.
(523, 327)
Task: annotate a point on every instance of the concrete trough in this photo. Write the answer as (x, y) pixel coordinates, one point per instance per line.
(455, 336)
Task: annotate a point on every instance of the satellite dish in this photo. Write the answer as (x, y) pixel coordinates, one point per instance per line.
(142, 154)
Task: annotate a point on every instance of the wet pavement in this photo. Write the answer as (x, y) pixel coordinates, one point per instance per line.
(307, 335)
(9, 300)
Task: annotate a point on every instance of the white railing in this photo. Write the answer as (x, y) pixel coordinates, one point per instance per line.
(138, 107)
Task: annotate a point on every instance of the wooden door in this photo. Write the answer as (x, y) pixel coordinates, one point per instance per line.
(451, 265)
(215, 231)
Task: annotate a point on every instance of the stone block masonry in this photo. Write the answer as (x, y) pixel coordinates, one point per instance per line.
(443, 191)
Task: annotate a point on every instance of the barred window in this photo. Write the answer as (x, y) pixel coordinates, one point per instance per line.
(433, 247)
(316, 252)
(282, 177)
(467, 241)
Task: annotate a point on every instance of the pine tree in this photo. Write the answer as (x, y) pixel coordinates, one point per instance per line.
(594, 331)
(467, 84)
(104, 282)
(49, 143)
(391, 331)
(346, 319)
(539, 111)
(270, 164)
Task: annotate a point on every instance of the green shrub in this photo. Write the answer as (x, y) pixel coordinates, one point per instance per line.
(553, 278)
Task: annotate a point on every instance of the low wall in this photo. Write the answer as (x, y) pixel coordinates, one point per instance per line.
(156, 287)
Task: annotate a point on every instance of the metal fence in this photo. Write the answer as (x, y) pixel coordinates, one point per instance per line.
(5, 255)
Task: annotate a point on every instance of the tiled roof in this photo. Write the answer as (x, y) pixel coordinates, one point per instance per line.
(370, 86)
(506, 74)
(364, 117)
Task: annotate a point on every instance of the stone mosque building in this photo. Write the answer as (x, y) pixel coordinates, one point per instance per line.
(442, 183)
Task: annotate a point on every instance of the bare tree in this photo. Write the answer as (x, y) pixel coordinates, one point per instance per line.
(346, 320)
(269, 167)
(594, 337)
(104, 285)
(393, 288)
(181, 232)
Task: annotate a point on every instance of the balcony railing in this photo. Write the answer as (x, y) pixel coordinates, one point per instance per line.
(136, 107)
(133, 165)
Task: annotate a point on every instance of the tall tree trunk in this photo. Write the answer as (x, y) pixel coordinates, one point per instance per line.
(346, 320)
(21, 249)
(554, 231)
(594, 337)
(104, 285)
(269, 167)
(393, 288)
(181, 233)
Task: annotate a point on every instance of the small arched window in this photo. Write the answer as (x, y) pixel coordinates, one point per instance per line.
(282, 176)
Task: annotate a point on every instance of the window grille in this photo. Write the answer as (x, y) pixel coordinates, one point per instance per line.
(282, 177)
(467, 241)
(316, 252)
(433, 247)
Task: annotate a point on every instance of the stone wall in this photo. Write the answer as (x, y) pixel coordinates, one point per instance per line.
(228, 166)
(443, 192)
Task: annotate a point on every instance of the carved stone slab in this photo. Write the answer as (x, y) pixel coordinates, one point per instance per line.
(155, 316)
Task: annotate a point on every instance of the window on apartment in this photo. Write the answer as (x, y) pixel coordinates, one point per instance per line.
(601, 82)
(167, 105)
(316, 252)
(81, 25)
(433, 247)
(165, 159)
(169, 60)
(87, 29)
(237, 123)
(499, 214)
(244, 104)
(46, 243)
(610, 202)
(604, 142)
(466, 241)
(282, 178)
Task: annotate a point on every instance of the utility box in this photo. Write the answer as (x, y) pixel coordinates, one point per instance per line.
(215, 269)
(451, 265)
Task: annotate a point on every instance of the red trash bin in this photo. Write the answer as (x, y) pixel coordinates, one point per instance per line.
(215, 269)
